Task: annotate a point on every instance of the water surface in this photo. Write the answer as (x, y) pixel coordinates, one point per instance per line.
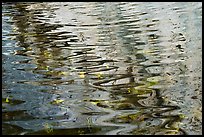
(102, 68)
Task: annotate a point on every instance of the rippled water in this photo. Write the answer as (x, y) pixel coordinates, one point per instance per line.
(102, 68)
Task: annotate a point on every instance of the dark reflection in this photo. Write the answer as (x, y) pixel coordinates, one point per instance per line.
(74, 131)
(94, 68)
(15, 115)
(16, 130)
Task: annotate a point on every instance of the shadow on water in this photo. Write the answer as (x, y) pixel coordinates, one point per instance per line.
(100, 68)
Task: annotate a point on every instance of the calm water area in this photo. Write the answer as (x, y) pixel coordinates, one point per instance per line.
(102, 68)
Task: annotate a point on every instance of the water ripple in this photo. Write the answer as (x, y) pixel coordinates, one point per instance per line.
(101, 68)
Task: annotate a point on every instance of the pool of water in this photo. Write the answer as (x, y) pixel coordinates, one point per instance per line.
(102, 68)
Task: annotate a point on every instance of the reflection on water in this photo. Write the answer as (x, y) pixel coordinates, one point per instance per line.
(101, 68)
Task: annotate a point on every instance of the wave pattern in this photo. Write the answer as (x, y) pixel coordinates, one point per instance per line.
(101, 68)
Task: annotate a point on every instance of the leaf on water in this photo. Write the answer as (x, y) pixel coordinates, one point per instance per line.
(182, 116)
(46, 67)
(47, 54)
(171, 132)
(100, 103)
(133, 90)
(99, 75)
(29, 49)
(82, 74)
(132, 117)
(107, 67)
(57, 101)
(7, 100)
(49, 72)
(64, 73)
(94, 103)
(129, 90)
(140, 90)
